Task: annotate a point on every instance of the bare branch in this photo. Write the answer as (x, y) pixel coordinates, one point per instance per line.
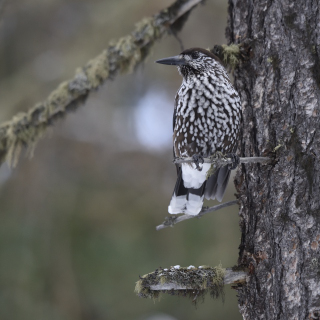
(25, 129)
(172, 220)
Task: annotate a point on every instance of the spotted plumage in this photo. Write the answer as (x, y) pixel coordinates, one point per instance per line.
(206, 120)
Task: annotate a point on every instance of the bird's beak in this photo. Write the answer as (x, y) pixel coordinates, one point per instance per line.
(173, 61)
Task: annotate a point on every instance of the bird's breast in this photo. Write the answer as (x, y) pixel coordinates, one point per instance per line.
(207, 117)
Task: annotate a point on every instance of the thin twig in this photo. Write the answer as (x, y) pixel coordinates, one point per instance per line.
(221, 161)
(217, 161)
(25, 129)
(172, 220)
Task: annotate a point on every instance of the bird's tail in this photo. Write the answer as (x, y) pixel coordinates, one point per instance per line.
(217, 184)
(186, 200)
(190, 200)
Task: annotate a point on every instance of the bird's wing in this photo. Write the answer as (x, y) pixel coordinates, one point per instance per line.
(173, 125)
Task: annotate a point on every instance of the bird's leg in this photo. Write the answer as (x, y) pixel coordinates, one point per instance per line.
(235, 160)
(198, 158)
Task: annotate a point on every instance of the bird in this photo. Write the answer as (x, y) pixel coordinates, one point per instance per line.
(206, 121)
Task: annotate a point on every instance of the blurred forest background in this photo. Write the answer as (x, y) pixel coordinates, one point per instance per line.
(78, 219)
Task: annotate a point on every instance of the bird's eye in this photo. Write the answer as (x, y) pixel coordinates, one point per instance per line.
(195, 55)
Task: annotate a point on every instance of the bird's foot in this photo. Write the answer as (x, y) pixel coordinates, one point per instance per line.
(235, 160)
(197, 158)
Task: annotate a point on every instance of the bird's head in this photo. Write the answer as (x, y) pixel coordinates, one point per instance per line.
(193, 61)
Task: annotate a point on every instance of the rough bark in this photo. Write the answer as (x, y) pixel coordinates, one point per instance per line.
(280, 207)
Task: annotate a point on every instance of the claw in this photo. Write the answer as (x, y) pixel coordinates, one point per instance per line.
(197, 158)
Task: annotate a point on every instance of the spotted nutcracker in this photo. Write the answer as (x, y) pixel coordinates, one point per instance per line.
(206, 120)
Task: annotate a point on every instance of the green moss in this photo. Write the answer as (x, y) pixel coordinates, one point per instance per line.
(276, 148)
(231, 55)
(97, 69)
(198, 282)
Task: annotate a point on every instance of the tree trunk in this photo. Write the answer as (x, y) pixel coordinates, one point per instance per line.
(280, 206)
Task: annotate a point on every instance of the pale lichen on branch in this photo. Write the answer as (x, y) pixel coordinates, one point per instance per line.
(26, 128)
(191, 281)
